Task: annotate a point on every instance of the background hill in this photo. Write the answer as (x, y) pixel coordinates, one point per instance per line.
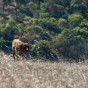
(53, 27)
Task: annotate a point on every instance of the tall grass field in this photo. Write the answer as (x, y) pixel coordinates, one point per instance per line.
(39, 74)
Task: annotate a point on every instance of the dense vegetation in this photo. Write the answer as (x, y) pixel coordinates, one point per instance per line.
(52, 27)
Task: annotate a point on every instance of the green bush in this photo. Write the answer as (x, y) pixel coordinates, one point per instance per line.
(41, 48)
(75, 20)
(73, 43)
(62, 23)
(50, 24)
(10, 30)
(32, 7)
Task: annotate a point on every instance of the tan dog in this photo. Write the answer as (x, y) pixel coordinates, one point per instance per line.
(19, 48)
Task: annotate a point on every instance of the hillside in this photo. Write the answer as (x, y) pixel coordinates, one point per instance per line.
(52, 28)
(57, 33)
(36, 74)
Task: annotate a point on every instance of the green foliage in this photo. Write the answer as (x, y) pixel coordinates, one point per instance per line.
(73, 43)
(50, 24)
(64, 22)
(6, 1)
(41, 48)
(32, 7)
(82, 33)
(65, 3)
(43, 15)
(19, 2)
(75, 20)
(78, 5)
(54, 8)
(2, 27)
(10, 30)
(84, 24)
(1, 40)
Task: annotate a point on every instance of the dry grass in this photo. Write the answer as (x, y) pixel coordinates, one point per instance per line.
(29, 74)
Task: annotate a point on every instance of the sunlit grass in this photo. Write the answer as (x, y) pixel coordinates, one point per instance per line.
(36, 74)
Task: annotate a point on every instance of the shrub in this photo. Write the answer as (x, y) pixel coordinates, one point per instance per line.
(75, 20)
(50, 24)
(41, 48)
(62, 23)
(32, 7)
(73, 43)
